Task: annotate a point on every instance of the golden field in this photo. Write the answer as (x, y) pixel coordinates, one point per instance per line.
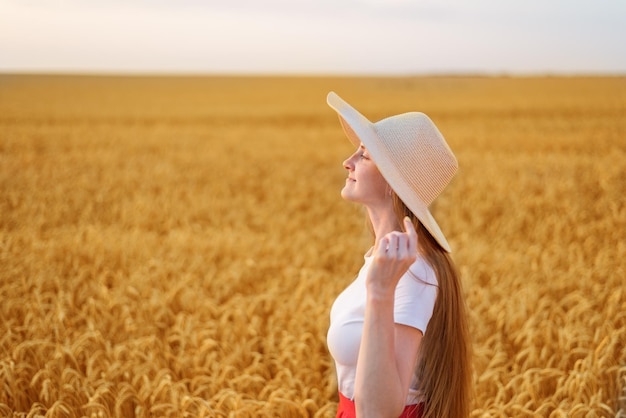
(171, 247)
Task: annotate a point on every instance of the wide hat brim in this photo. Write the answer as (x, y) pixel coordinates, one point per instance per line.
(376, 138)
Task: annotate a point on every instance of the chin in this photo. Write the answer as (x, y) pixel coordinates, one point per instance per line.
(346, 195)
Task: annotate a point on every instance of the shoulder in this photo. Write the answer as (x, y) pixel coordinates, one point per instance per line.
(418, 282)
(415, 296)
(422, 272)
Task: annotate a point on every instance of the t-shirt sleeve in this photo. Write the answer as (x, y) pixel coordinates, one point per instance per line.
(415, 297)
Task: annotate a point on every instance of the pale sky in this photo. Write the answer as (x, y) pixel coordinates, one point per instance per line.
(397, 37)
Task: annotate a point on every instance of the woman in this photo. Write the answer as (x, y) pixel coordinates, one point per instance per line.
(399, 333)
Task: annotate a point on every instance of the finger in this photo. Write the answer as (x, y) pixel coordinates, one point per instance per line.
(392, 248)
(403, 246)
(382, 246)
(410, 230)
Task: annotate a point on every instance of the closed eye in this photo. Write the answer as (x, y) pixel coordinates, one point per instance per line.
(363, 155)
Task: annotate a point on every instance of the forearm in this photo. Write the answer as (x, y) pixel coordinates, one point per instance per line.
(378, 387)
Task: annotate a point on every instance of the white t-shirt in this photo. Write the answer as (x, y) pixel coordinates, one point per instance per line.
(413, 306)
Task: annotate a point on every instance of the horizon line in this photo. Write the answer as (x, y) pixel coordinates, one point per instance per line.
(296, 74)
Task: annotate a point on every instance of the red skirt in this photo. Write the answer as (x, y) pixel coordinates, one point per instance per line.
(347, 409)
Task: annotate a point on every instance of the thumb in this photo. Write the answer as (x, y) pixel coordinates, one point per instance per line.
(409, 228)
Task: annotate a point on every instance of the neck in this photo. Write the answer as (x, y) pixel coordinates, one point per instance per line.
(383, 221)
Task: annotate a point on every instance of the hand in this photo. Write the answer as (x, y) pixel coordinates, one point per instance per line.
(395, 253)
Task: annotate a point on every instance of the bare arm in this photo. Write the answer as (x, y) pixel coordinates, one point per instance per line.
(388, 351)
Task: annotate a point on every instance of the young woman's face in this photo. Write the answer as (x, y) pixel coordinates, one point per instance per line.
(364, 184)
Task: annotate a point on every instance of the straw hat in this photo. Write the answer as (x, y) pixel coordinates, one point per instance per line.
(409, 152)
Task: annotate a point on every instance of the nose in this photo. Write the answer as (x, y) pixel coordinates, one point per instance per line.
(348, 164)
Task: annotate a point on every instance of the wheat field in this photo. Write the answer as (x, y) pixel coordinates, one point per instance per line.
(171, 246)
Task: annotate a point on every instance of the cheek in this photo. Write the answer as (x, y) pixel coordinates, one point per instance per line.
(383, 188)
(377, 182)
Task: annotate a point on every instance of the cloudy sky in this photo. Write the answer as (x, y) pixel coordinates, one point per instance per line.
(314, 36)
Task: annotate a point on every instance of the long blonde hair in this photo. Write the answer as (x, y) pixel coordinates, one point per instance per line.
(443, 370)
